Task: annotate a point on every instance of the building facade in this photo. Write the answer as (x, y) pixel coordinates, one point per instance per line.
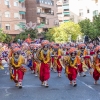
(42, 12)
(12, 16)
(63, 12)
(82, 9)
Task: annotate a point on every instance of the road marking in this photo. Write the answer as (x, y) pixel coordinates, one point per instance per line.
(7, 93)
(27, 86)
(86, 85)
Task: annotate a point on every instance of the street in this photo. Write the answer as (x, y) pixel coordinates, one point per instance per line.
(59, 88)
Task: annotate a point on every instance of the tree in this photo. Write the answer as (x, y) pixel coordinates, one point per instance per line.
(96, 22)
(7, 39)
(72, 29)
(24, 35)
(2, 36)
(85, 26)
(61, 33)
(91, 29)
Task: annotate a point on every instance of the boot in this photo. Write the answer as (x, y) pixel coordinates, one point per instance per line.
(83, 74)
(46, 84)
(20, 85)
(95, 82)
(42, 84)
(74, 83)
(59, 74)
(16, 84)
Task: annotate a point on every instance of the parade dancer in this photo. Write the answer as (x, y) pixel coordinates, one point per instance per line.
(36, 62)
(52, 58)
(86, 64)
(81, 53)
(29, 60)
(71, 67)
(45, 66)
(91, 51)
(96, 65)
(57, 59)
(1, 58)
(16, 62)
(65, 55)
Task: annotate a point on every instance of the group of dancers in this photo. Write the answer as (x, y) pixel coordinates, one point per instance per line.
(42, 58)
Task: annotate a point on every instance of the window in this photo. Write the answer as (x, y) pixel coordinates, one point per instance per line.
(66, 9)
(88, 11)
(6, 2)
(95, 13)
(7, 26)
(38, 10)
(66, 15)
(47, 22)
(16, 3)
(16, 15)
(23, 17)
(80, 12)
(7, 14)
(16, 27)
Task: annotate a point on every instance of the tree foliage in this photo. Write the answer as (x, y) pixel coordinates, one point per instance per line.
(4, 37)
(61, 33)
(8, 39)
(92, 29)
(23, 35)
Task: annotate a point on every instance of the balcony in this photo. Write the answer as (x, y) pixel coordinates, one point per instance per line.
(60, 18)
(21, 1)
(60, 11)
(65, 2)
(41, 14)
(66, 13)
(59, 3)
(22, 9)
(66, 21)
(66, 18)
(45, 4)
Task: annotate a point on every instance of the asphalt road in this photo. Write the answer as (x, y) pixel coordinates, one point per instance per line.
(59, 88)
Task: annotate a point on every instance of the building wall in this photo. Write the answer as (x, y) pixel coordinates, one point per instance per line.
(34, 16)
(31, 10)
(83, 7)
(63, 11)
(11, 20)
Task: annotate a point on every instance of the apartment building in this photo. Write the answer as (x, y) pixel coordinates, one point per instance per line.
(12, 16)
(82, 9)
(63, 12)
(42, 12)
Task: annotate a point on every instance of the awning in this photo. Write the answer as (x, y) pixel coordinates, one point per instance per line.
(66, 13)
(21, 1)
(41, 26)
(66, 20)
(22, 12)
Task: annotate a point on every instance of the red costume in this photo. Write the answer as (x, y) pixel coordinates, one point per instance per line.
(45, 66)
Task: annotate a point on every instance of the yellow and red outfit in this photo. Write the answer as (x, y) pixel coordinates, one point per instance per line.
(44, 68)
(18, 69)
(71, 70)
(79, 60)
(57, 61)
(96, 73)
(71, 67)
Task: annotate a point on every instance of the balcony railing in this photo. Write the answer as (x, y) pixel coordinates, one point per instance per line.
(51, 3)
(45, 13)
